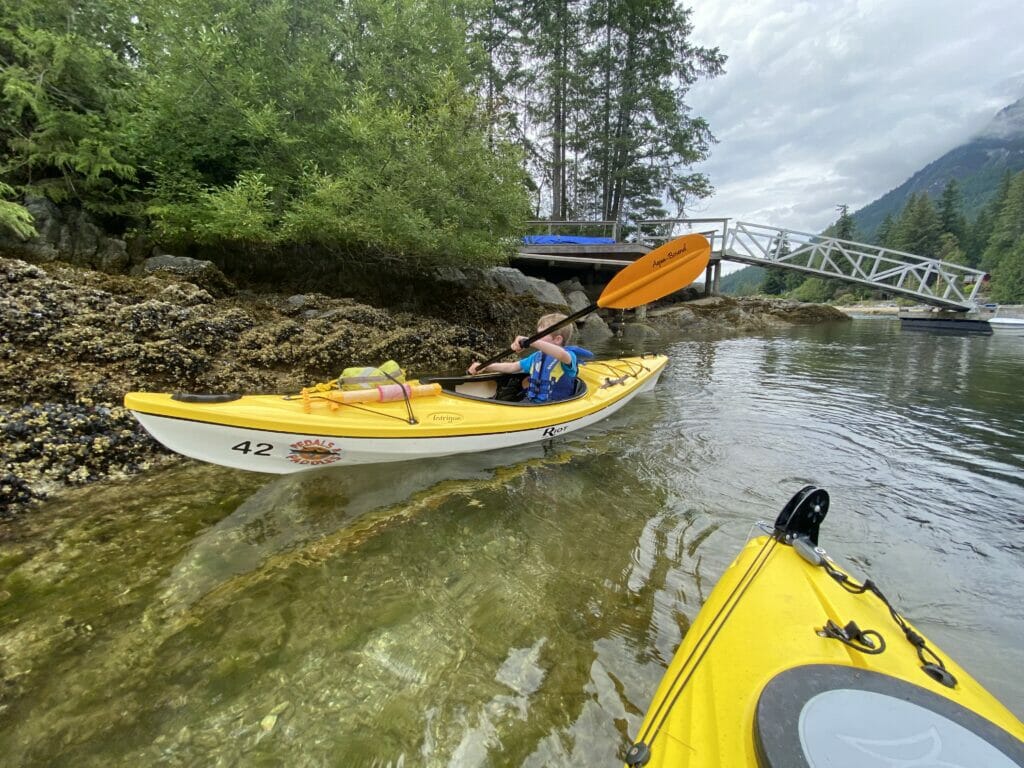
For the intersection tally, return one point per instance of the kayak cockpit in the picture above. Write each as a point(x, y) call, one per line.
point(505, 388)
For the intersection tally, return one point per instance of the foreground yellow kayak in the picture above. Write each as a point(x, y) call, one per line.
point(439, 417)
point(791, 662)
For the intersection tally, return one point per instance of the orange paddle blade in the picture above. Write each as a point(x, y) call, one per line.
point(664, 270)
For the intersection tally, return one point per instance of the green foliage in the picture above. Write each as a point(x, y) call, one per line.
point(64, 85)
point(15, 217)
point(846, 299)
point(886, 230)
point(950, 250)
point(774, 282)
point(261, 125)
point(597, 97)
point(1004, 256)
point(390, 128)
point(1008, 278)
point(845, 228)
point(951, 217)
point(814, 290)
point(443, 199)
point(743, 282)
point(1008, 225)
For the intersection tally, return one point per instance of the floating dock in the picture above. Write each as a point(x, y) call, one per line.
point(944, 321)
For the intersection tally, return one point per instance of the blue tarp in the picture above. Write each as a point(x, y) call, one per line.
point(567, 240)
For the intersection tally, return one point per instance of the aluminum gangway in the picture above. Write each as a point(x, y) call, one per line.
point(930, 281)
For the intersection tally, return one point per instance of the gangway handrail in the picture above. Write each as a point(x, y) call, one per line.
point(929, 280)
point(552, 224)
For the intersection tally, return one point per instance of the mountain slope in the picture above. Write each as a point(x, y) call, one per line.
point(742, 282)
point(978, 166)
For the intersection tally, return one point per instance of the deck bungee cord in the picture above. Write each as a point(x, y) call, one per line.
point(332, 394)
point(780, 669)
point(871, 641)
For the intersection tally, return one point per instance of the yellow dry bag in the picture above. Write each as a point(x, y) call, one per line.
point(368, 378)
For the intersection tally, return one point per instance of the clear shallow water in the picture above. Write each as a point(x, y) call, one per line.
point(514, 608)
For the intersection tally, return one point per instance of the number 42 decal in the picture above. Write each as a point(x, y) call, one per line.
point(260, 449)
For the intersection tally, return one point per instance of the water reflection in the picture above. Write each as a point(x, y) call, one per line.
point(296, 510)
point(515, 608)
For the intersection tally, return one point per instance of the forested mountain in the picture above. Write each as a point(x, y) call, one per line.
point(993, 242)
point(977, 166)
point(965, 208)
point(743, 282)
point(372, 129)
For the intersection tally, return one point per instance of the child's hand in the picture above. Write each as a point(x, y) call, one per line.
point(473, 368)
point(517, 345)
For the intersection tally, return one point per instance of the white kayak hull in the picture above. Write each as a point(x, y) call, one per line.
point(283, 452)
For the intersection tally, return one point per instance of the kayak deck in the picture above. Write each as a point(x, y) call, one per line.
point(281, 434)
point(755, 681)
point(445, 414)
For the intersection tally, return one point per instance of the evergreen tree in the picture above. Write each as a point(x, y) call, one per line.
point(981, 230)
point(774, 282)
point(950, 250)
point(779, 281)
point(495, 28)
point(1004, 256)
point(553, 45)
point(845, 227)
point(918, 229)
point(646, 140)
point(884, 234)
point(1008, 279)
point(1008, 226)
point(65, 88)
point(951, 215)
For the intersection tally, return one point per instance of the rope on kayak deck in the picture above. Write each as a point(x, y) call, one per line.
point(320, 393)
point(860, 640)
point(639, 752)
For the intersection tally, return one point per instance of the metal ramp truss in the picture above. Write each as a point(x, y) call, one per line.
point(931, 281)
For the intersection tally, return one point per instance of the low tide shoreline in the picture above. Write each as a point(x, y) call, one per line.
point(75, 340)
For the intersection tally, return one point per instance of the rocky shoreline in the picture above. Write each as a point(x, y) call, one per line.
point(75, 340)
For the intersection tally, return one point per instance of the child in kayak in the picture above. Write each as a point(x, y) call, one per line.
point(552, 368)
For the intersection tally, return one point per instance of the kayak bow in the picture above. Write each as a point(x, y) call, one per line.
point(790, 662)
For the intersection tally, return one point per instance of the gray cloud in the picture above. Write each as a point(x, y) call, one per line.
point(825, 103)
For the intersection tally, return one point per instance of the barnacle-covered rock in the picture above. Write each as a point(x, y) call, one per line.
point(716, 314)
point(75, 340)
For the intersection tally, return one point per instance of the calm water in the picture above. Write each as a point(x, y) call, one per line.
point(515, 608)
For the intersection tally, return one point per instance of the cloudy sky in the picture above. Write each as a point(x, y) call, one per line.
point(827, 102)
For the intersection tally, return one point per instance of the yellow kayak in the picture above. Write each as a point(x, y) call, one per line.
point(791, 662)
point(436, 417)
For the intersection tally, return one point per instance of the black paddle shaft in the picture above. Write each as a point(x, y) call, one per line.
point(541, 334)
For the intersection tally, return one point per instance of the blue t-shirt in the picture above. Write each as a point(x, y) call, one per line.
point(550, 379)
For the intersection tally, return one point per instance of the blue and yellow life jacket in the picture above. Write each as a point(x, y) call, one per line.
point(550, 379)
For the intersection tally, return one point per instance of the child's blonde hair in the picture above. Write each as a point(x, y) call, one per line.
point(566, 331)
